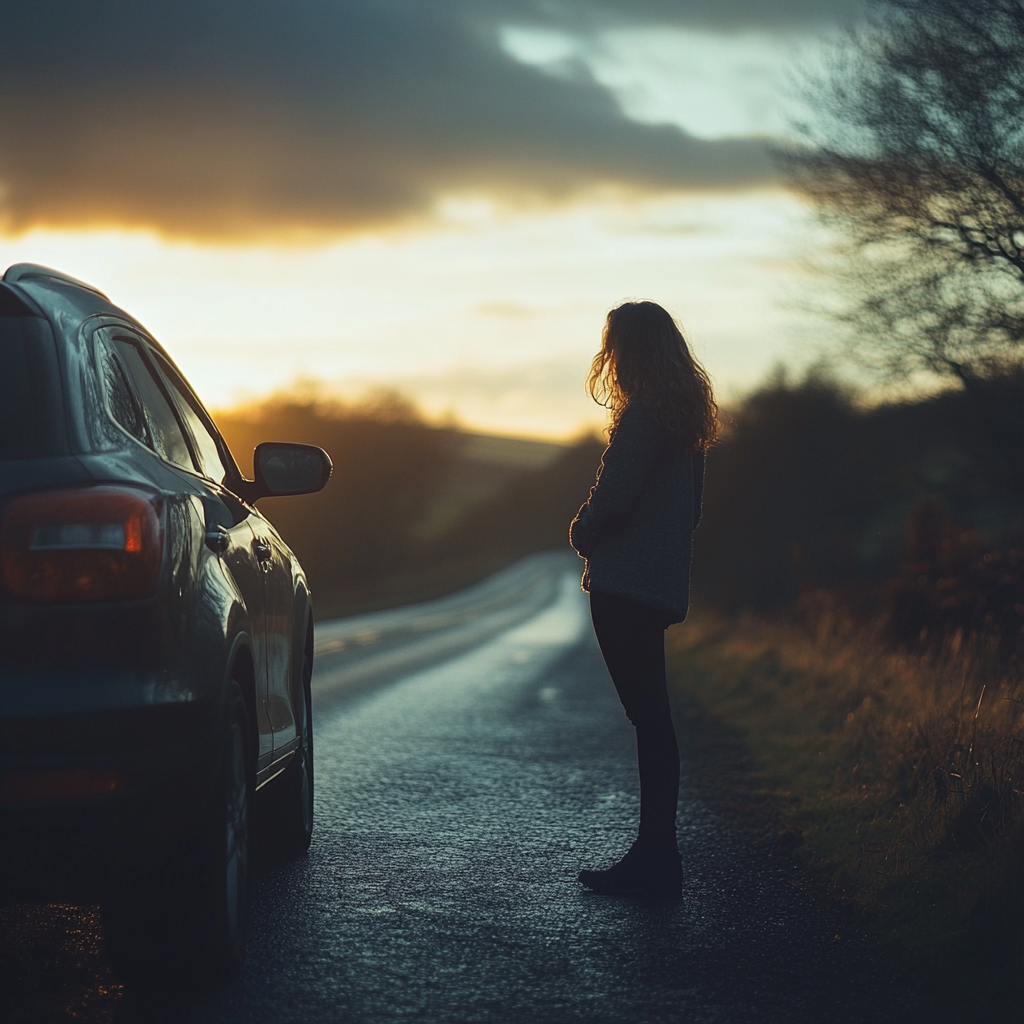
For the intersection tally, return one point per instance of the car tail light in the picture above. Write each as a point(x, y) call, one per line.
point(87, 544)
point(31, 786)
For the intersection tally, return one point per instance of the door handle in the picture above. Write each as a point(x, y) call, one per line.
point(261, 549)
point(218, 539)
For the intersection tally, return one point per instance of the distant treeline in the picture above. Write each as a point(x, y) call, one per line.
point(912, 511)
point(395, 524)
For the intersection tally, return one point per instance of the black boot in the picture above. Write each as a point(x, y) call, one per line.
point(646, 870)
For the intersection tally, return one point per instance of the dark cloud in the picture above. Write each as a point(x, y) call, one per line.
point(714, 14)
point(227, 118)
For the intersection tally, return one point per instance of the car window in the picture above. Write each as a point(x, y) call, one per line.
point(206, 444)
point(123, 402)
point(168, 439)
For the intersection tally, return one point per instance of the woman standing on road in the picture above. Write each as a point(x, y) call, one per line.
point(635, 532)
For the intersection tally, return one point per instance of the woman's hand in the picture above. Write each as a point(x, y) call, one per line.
point(579, 534)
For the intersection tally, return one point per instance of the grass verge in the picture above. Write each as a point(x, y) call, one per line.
point(898, 777)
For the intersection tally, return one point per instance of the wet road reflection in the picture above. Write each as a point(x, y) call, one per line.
point(454, 808)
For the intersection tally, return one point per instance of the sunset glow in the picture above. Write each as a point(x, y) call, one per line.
point(490, 316)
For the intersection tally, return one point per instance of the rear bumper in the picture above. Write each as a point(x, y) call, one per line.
point(89, 798)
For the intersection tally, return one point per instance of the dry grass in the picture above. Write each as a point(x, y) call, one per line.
point(900, 776)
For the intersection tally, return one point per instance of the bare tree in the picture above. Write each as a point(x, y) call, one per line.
point(914, 155)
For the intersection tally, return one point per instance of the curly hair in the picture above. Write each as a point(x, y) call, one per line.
point(645, 356)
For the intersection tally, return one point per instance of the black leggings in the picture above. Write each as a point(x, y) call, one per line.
point(632, 640)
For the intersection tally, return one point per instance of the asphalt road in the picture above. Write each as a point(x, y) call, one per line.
point(471, 757)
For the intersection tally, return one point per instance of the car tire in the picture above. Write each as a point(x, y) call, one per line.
point(185, 923)
point(286, 811)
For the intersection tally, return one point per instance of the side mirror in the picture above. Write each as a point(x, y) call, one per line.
point(281, 468)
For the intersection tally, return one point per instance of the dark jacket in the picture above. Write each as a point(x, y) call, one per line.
point(636, 529)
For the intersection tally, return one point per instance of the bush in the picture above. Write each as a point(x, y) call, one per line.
point(954, 586)
point(809, 491)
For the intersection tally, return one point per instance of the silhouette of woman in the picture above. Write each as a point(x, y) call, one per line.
point(635, 532)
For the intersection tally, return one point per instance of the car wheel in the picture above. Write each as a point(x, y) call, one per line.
point(286, 812)
point(186, 922)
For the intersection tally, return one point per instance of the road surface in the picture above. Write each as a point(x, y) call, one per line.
point(471, 757)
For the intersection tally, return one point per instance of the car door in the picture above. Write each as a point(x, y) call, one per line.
point(224, 519)
point(281, 639)
point(273, 640)
point(274, 560)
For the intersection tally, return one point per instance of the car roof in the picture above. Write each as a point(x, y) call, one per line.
point(60, 297)
point(27, 271)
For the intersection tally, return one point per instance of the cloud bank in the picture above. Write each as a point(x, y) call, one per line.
point(222, 119)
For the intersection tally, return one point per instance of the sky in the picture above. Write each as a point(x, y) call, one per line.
point(443, 197)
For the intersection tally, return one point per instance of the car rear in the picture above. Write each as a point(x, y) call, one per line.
point(104, 743)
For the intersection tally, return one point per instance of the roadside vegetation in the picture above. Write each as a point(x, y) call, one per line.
point(895, 776)
point(859, 622)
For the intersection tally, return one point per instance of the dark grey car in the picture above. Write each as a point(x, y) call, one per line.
point(156, 638)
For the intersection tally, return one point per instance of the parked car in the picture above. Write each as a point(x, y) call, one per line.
point(156, 638)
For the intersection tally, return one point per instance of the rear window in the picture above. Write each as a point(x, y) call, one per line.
point(31, 408)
